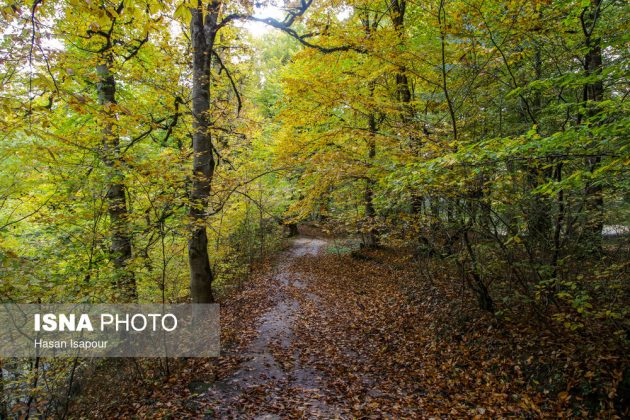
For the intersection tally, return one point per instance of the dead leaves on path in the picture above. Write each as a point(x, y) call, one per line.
point(395, 346)
point(141, 388)
point(372, 340)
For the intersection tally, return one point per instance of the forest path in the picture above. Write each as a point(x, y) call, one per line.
point(275, 375)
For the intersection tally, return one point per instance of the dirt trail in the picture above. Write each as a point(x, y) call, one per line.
point(273, 367)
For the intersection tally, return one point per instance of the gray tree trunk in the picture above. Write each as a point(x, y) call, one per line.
point(538, 211)
point(203, 31)
point(403, 91)
point(593, 94)
point(372, 238)
point(120, 250)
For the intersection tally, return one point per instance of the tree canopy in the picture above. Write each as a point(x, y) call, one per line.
point(152, 151)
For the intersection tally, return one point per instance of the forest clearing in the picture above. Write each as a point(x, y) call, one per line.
point(383, 208)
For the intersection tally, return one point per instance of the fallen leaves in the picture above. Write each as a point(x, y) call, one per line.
point(369, 339)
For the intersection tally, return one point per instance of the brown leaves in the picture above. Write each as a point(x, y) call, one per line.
point(393, 346)
point(368, 339)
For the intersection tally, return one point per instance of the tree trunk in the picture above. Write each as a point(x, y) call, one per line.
point(477, 284)
point(538, 212)
point(372, 240)
point(403, 91)
point(557, 229)
point(593, 94)
point(120, 250)
point(444, 82)
point(293, 230)
point(203, 32)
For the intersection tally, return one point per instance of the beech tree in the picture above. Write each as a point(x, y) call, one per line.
point(153, 151)
point(206, 20)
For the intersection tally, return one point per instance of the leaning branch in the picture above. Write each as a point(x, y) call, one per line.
point(229, 75)
point(285, 26)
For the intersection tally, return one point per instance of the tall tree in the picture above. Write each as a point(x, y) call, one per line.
point(121, 247)
point(206, 21)
point(593, 94)
point(203, 31)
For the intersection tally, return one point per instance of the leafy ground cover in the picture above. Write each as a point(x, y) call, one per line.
point(317, 333)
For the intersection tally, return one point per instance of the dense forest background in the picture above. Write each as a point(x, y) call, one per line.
point(157, 151)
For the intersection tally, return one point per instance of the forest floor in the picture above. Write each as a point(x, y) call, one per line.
point(320, 332)
point(277, 375)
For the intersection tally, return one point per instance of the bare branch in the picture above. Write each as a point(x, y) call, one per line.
point(234, 88)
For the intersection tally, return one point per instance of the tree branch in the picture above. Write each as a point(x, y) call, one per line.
point(229, 75)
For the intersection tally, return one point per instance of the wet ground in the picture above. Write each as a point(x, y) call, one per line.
point(273, 367)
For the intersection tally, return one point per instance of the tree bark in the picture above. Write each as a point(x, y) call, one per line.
point(293, 230)
point(372, 239)
point(593, 94)
point(121, 249)
point(538, 213)
point(403, 91)
point(203, 32)
point(445, 89)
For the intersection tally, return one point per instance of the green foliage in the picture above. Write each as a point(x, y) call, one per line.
point(507, 159)
point(489, 136)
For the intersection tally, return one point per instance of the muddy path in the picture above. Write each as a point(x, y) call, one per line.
point(274, 375)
